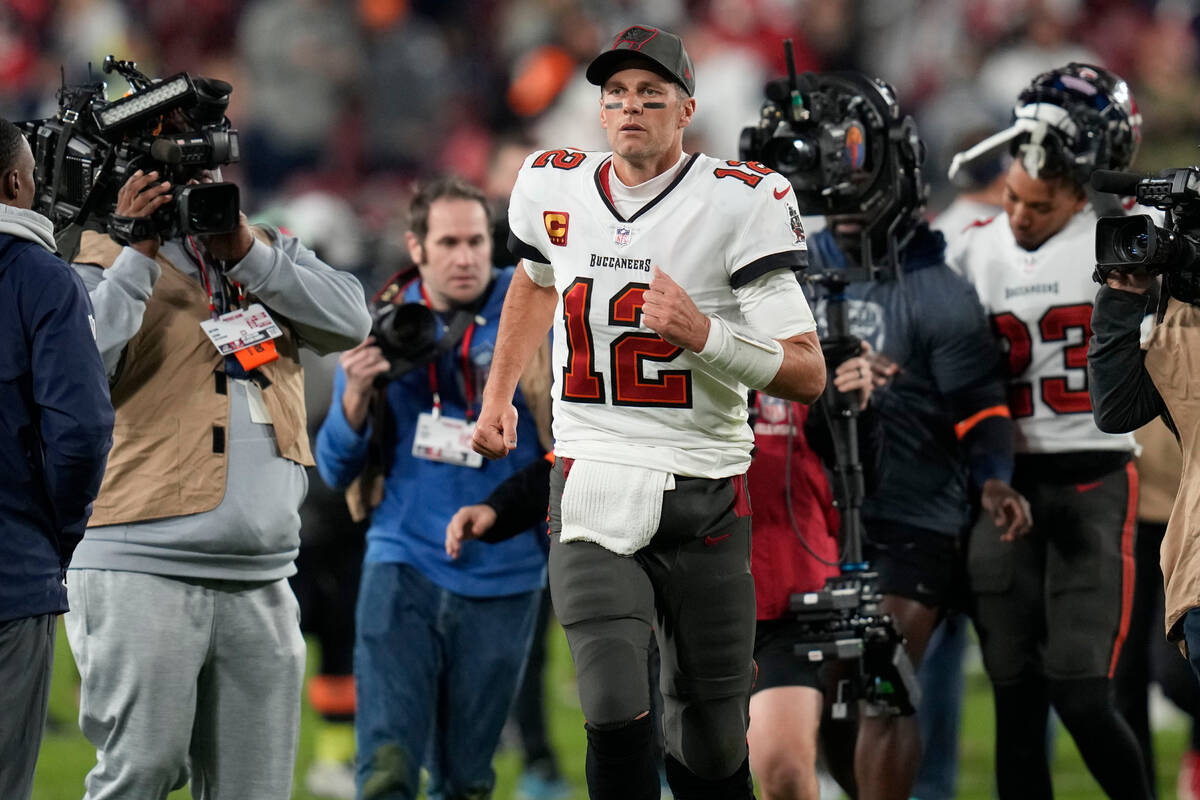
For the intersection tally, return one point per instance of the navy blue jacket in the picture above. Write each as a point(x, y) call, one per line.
point(55, 425)
point(932, 325)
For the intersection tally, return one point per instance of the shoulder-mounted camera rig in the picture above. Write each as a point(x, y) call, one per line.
point(175, 126)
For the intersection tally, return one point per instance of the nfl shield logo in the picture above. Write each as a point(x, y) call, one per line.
point(772, 409)
point(623, 234)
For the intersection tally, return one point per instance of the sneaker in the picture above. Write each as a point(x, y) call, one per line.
point(330, 779)
point(1188, 786)
point(533, 786)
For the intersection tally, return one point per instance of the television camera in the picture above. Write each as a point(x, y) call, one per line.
point(175, 126)
point(840, 140)
point(1136, 244)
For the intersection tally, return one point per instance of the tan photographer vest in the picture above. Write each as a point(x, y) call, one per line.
point(1173, 361)
point(171, 398)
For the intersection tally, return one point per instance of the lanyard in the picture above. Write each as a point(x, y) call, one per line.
point(194, 252)
point(467, 373)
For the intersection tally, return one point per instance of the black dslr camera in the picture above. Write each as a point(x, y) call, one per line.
point(407, 333)
point(1135, 243)
point(176, 126)
point(411, 335)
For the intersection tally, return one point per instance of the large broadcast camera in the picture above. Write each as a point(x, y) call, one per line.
point(176, 126)
point(1134, 243)
point(839, 140)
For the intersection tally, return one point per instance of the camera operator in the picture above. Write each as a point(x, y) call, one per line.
point(944, 425)
point(56, 420)
point(440, 643)
point(185, 630)
point(1052, 609)
point(1130, 386)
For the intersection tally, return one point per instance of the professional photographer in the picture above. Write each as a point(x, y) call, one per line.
point(851, 156)
point(1052, 609)
point(440, 643)
point(1131, 384)
point(183, 625)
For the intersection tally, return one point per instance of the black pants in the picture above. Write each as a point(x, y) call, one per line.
point(26, 659)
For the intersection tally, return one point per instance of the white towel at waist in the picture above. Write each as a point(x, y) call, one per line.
point(617, 506)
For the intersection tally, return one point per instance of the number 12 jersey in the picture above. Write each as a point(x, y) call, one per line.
point(621, 393)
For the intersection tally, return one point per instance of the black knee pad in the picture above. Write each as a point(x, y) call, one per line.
point(620, 761)
point(687, 785)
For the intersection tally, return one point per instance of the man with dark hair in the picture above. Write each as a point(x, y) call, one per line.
point(55, 430)
point(440, 643)
point(1052, 609)
point(668, 280)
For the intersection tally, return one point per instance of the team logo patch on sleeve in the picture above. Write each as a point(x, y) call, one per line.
point(556, 226)
point(794, 221)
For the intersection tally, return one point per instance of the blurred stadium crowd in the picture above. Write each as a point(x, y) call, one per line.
point(342, 104)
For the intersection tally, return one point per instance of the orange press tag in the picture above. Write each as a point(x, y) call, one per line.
point(256, 355)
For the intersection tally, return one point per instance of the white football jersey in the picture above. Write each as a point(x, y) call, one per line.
point(621, 393)
point(1040, 305)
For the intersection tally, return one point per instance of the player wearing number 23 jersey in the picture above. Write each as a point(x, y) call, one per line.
point(1040, 304)
point(727, 232)
point(1052, 609)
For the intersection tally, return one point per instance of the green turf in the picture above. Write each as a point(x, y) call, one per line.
point(66, 756)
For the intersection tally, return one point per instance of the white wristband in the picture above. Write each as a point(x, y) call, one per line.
point(737, 354)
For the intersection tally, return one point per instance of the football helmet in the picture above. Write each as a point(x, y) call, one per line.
point(1085, 112)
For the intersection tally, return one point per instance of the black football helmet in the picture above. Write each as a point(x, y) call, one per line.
point(1085, 112)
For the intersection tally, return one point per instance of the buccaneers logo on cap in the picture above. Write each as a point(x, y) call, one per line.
point(634, 38)
point(556, 226)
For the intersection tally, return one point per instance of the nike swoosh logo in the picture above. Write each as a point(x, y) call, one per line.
point(709, 541)
point(780, 195)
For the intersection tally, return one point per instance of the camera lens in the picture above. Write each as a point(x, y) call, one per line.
point(209, 208)
point(407, 332)
point(1136, 247)
point(789, 155)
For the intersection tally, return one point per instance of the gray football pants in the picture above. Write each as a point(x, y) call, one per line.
point(692, 586)
point(187, 676)
point(26, 659)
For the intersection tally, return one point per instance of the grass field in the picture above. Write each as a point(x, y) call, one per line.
point(66, 756)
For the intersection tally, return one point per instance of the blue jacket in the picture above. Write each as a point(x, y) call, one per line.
point(420, 496)
point(55, 425)
point(932, 325)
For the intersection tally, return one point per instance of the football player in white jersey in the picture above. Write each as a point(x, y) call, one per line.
point(1052, 608)
point(669, 282)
